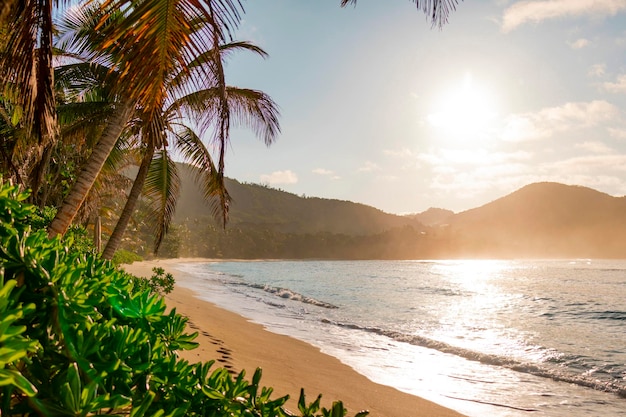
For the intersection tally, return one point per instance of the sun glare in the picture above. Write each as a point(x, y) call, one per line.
point(463, 112)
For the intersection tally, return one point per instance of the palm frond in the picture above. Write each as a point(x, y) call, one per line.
point(205, 174)
point(120, 157)
point(77, 30)
point(155, 40)
point(83, 78)
point(203, 63)
point(83, 121)
point(255, 110)
point(228, 12)
point(162, 187)
point(436, 10)
point(227, 49)
point(248, 108)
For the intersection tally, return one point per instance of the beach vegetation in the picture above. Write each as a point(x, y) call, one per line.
point(123, 256)
point(79, 336)
point(160, 282)
point(146, 43)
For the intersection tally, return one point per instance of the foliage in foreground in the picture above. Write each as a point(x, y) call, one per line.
point(80, 337)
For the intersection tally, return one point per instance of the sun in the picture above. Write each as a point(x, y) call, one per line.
point(463, 112)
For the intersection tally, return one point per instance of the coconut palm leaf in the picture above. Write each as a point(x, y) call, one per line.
point(248, 108)
point(155, 40)
point(81, 123)
point(255, 110)
point(193, 151)
point(162, 187)
point(204, 61)
point(82, 78)
point(436, 10)
point(227, 13)
point(226, 50)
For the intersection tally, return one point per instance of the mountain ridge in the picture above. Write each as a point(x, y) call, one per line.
point(255, 204)
point(547, 219)
point(539, 220)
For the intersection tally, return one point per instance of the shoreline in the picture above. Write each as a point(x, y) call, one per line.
point(288, 364)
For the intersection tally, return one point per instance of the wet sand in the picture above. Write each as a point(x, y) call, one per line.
point(287, 363)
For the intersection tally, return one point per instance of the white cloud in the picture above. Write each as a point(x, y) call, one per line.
point(593, 147)
point(546, 122)
point(579, 43)
point(590, 164)
point(280, 177)
point(536, 11)
point(581, 113)
point(443, 160)
point(619, 86)
point(510, 171)
point(597, 70)
point(326, 173)
point(402, 153)
point(521, 128)
point(617, 133)
point(369, 167)
point(322, 171)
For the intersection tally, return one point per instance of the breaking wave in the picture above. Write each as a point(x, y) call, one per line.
point(612, 385)
point(286, 293)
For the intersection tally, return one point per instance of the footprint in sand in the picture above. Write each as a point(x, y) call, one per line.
point(225, 353)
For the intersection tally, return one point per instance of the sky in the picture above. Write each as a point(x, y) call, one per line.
point(381, 108)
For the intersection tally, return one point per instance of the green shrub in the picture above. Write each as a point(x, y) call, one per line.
point(160, 282)
point(76, 237)
point(123, 256)
point(78, 338)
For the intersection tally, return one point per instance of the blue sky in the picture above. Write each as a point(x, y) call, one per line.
point(379, 107)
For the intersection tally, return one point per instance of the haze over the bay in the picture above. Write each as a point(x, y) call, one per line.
point(380, 108)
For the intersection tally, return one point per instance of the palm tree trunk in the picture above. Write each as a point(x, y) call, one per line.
point(116, 237)
point(90, 171)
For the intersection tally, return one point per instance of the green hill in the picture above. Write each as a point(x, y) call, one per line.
point(259, 206)
point(543, 220)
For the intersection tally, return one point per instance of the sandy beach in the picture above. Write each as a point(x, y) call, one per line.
point(288, 364)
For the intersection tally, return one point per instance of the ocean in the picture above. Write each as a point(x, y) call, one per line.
point(485, 338)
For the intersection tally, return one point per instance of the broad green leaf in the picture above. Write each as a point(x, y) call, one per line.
point(142, 408)
point(10, 354)
point(10, 377)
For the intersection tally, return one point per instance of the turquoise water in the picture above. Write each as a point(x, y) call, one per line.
point(496, 338)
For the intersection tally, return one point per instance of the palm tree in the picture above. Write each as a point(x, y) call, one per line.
point(206, 108)
point(203, 106)
point(80, 109)
point(26, 82)
point(26, 66)
point(251, 107)
point(84, 106)
point(153, 39)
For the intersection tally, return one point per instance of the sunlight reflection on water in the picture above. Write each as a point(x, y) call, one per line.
point(491, 331)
